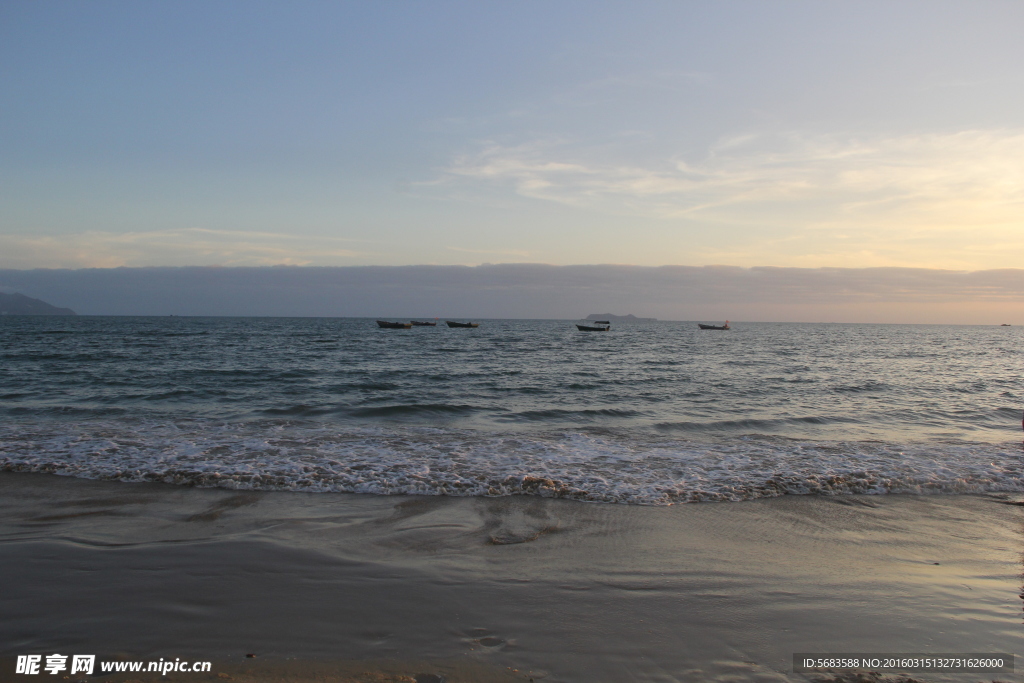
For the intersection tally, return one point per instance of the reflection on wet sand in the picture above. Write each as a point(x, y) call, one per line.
point(557, 590)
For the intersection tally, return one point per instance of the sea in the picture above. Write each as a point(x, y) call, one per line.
point(651, 413)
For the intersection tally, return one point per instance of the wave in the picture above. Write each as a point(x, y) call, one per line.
point(64, 412)
point(868, 386)
point(433, 409)
point(600, 466)
point(752, 425)
point(582, 414)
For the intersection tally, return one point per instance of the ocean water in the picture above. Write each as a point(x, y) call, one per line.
point(649, 413)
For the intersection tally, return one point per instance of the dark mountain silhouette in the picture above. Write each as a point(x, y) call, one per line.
point(19, 304)
point(630, 318)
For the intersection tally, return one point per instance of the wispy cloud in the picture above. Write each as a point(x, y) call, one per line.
point(197, 246)
point(885, 195)
point(659, 80)
point(500, 252)
point(921, 170)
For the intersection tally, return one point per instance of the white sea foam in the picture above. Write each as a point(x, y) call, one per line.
point(621, 467)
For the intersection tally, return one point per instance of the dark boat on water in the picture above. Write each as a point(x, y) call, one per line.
point(714, 327)
point(589, 328)
point(417, 323)
point(393, 326)
point(454, 324)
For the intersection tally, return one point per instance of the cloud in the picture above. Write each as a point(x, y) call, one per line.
point(927, 172)
point(950, 200)
point(540, 291)
point(189, 245)
point(500, 252)
point(612, 86)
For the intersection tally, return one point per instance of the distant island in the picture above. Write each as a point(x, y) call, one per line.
point(19, 304)
point(611, 317)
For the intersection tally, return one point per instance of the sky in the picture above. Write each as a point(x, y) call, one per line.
point(781, 133)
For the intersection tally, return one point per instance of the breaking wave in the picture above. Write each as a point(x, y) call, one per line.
point(602, 466)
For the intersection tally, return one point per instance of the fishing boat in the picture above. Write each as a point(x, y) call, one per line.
point(417, 323)
point(714, 327)
point(455, 324)
point(393, 326)
point(589, 328)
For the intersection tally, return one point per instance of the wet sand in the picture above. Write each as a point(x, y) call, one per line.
point(352, 587)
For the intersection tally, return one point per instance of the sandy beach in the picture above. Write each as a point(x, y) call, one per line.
point(360, 587)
